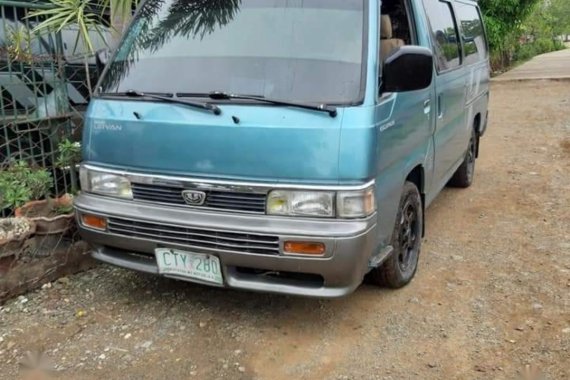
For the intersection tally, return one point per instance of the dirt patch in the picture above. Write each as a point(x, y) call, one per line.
point(32, 271)
point(566, 146)
point(492, 295)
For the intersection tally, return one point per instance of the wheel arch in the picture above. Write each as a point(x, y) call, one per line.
point(477, 125)
point(417, 177)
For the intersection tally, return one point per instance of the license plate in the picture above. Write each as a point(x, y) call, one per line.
point(172, 262)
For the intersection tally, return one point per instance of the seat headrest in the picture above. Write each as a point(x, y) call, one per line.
point(386, 27)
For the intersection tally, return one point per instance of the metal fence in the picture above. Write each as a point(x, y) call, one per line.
point(43, 91)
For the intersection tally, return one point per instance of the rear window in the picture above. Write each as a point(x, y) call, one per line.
point(473, 33)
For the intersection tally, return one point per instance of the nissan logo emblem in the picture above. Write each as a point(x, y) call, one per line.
point(194, 198)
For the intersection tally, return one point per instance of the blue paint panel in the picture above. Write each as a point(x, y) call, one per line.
point(357, 154)
point(269, 143)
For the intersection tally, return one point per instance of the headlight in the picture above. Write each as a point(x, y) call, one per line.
point(326, 204)
point(102, 183)
point(301, 203)
point(356, 204)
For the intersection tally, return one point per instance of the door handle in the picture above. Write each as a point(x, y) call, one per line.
point(439, 107)
point(427, 107)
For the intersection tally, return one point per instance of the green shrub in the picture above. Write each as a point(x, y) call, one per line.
point(544, 45)
point(559, 45)
point(525, 52)
point(68, 158)
point(20, 183)
point(69, 153)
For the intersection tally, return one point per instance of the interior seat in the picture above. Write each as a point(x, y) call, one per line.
point(387, 43)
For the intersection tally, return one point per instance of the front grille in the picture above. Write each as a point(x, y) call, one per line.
point(196, 237)
point(224, 200)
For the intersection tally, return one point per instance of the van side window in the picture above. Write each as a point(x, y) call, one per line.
point(395, 30)
point(445, 36)
point(474, 41)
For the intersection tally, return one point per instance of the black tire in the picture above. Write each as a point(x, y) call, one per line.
point(463, 177)
point(400, 268)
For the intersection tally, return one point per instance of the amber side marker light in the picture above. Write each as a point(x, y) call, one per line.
point(304, 248)
point(95, 222)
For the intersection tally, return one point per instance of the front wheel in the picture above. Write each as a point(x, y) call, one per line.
point(400, 268)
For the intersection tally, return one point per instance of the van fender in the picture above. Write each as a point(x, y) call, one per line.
point(389, 190)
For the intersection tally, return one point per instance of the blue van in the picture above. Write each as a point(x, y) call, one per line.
point(282, 146)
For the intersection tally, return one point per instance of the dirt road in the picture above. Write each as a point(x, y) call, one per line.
point(492, 294)
point(554, 65)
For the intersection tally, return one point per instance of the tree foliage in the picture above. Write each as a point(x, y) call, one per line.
point(521, 29)
point(84, 15)
point(504, 18)
point(550, 19)
point(560, 16)
point(189, 18)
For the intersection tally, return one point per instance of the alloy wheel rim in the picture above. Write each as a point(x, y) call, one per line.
point(408, 237)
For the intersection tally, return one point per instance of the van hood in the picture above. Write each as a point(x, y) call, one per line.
point(266, 143)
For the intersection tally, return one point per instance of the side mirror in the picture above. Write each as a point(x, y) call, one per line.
point(101, 58)
point(409, 68)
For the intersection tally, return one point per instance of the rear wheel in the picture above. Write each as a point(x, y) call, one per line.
point(463, 177)
point(400, 268)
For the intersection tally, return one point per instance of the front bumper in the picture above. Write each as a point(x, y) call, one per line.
point(350, 245)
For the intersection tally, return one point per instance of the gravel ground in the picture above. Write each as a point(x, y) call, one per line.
point(492, 295)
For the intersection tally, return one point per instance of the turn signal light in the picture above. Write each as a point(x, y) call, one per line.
point(95, 222)
point(304, 248)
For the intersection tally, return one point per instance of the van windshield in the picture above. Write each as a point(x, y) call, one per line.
point(293, 50)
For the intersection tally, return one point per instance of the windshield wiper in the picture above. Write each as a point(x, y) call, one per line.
point(218, 95)
point(169, 99)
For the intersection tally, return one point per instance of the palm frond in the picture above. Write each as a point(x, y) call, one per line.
point(70, 12)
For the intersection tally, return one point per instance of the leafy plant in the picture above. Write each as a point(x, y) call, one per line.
point(69, 155)
point(84, 14)
point(20, 183)
point(525, 52)
point(13, 195)
point(63, 209)
point(121, 13)
point(540, 46)
point(70, 12)
point(19, 44)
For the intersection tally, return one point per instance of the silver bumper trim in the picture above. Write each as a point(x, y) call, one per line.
point(350, 246)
